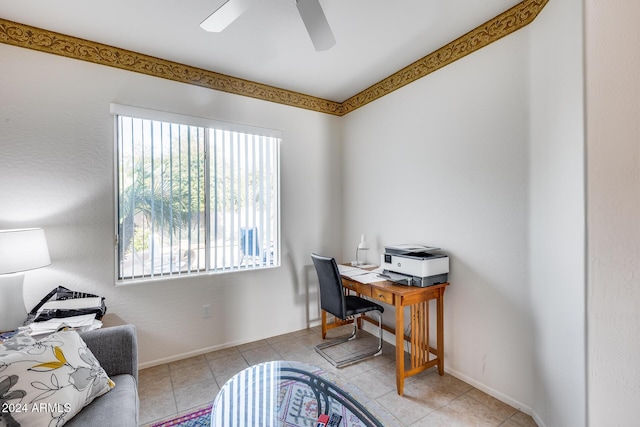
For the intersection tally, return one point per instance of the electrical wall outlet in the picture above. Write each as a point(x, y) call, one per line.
point(206, 310)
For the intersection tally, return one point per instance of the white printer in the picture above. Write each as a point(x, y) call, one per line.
point(414, 265)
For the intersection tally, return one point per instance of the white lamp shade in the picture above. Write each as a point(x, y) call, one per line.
point(363, 245)
point(22, 250)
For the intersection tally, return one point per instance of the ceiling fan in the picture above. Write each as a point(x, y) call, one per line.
point(310, 11)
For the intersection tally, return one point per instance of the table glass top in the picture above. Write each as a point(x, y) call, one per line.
point(285, 394)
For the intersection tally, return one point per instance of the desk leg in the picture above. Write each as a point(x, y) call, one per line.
point(324, 324)
point(399, 347)
point(440, 314)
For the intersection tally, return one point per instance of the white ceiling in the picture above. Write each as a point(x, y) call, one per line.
point(269, 43)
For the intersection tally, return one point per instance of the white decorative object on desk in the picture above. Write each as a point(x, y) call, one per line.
point(20, 250)
point(362, 246)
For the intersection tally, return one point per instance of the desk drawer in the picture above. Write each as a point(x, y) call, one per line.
point(360, 288)
point(382, 295)
point(349, 284)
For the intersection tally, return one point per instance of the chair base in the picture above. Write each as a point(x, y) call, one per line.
point(352, 357)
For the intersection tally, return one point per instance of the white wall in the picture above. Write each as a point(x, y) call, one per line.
point(485, 159)
point(556, 214)
point(56, 147)
point(443, 162)
point(613, 152)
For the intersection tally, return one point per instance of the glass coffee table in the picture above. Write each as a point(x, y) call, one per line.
point(285, 394)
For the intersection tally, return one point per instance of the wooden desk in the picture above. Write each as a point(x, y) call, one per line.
point(417, 299)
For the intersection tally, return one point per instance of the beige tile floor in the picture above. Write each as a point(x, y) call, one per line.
point(429, 400)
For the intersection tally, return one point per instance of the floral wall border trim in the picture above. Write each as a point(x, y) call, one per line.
point(494, 29)
point(25, 36)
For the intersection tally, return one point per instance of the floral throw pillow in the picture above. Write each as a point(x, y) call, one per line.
point(46, 381)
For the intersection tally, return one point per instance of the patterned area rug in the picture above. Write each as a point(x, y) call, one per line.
point(297, 402)
point(199, 418)
point(296, 406)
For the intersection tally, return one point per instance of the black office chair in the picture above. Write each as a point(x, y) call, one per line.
point(333, 300)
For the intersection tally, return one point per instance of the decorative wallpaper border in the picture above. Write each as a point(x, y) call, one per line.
point(494, 29)
point(25, 36)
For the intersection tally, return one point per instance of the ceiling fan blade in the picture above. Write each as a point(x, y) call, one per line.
point(225, 15)
point(316, 23)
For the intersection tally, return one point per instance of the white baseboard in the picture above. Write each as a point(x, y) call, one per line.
point(387, 337)
point(390, 338)
point(496, 394)
point(206, 350)
point(189, 354)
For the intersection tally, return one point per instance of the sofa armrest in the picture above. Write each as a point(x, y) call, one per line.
point(116, 348)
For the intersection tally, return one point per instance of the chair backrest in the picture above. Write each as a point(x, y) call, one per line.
point(331, 293)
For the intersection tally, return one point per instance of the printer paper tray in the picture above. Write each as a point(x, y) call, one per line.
point(421, 282)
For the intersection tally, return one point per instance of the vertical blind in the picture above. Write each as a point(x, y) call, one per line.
point(194, 198)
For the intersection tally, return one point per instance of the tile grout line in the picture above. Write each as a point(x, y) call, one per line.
point(268, 350)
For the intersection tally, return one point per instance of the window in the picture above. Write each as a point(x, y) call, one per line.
point(194, 195)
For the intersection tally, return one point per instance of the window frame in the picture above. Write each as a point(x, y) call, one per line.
point(209, 126)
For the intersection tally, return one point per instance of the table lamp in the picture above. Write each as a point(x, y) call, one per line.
point(20, 251)
point(362, 246)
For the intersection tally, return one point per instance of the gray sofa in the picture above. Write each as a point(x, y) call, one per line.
point(116, 349)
